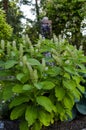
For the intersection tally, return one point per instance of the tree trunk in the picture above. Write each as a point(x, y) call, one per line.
point(5, 5)
point(37, 10)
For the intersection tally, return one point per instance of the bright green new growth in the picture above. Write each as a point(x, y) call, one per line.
point(5, 28)
point(41, 89)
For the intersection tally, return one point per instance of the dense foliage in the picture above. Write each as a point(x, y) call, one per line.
point(13, 15)
point(5, 29)
point(67, 17)
point(41, 89)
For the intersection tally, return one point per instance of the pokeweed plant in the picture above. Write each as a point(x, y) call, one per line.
point(41, 82)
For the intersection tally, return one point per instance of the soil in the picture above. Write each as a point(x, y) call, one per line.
point(77, 124)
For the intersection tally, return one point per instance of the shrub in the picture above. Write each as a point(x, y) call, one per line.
point(41, 89)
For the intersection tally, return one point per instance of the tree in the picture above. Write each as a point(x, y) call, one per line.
point(66, 17)
point(13, 15)
point(5, 28)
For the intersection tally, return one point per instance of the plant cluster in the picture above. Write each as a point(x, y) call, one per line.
point(41, 82)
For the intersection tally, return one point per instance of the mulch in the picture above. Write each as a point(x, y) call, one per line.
point(77, 124)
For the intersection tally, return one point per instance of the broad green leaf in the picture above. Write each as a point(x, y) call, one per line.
point(38, 85)
point(76, 93)
point(67, 75)
point(82, 71)
point(27, 87)
point(20, 76)
point(71, 70)
point(46, 103)
point(36, 126)
point(70, 95)
point(69, 113)
point(81, 106)
point(44, 117)
point(54, 71)
point(81, 88)
point(68, 102)
point(33, 61)
point(31, 115)
point(10, 63)
point(77, 79)
point(59, 93)
point(18, 112)
point(60, 108)
point(7, 92)
point(69, 84)
point(23, 125)
point(82, 66)
point(46, 85)
point(18, 100)
point(61, 111)
point(83, 59)
point(18, 88)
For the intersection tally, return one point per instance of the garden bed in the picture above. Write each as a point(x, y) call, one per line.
point(77, 124)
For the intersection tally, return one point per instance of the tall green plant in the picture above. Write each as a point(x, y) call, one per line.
point(41, 89)
point(5, 29)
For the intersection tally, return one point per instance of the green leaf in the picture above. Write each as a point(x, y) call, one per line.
point(59, 93)
point(77, 79)
point(77, 94)
point(54, 71)
point(71, 70)
point(82, 71)
point(7, 92)
point(33, 61)
point(23, 125)
point(18, 112)
point(18, 88)
point(27, 87)
point(4, 73)
point(46, 85)
point(81, 106)
point(18, 100)
point(46, 103)
point(68, 102)
point(44, 117)
point(61, 111)
point(20, 76)
point(2, 63)
point(36, 126)
point(69, 84)
point(60, 107)
point(38, 85)
point(31, 115)
point(81, 88)
point(10, 63)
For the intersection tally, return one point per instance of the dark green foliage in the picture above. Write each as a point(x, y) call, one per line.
point(67, 17)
